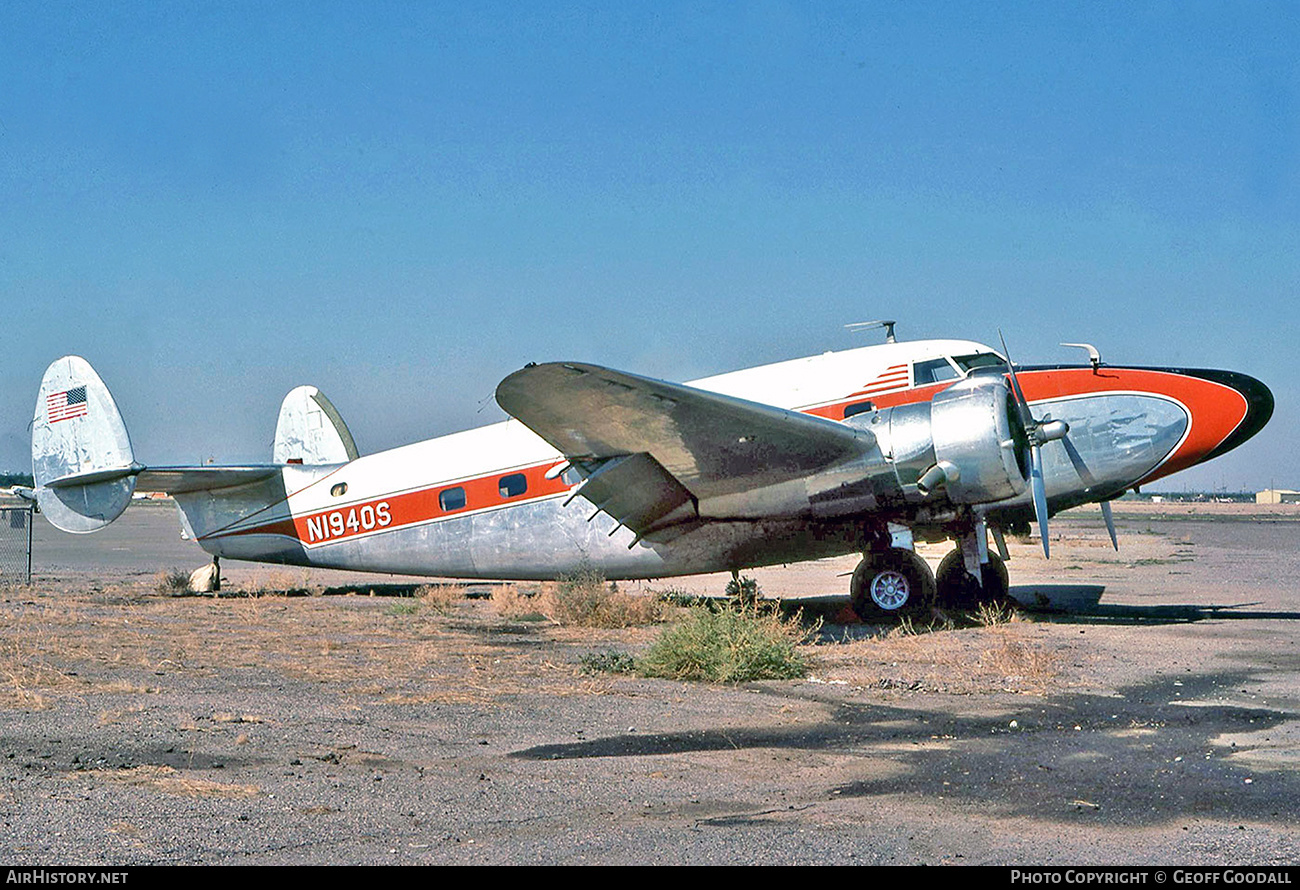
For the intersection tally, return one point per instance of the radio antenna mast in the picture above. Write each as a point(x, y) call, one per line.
point(858, 327)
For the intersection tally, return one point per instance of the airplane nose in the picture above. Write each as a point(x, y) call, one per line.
point(1224, 409)
point(1259, 407)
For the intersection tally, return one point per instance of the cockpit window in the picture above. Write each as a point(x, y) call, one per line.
point(934, 371)
point(969, 363)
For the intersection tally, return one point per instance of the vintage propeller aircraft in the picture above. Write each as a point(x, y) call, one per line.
point(861, 451)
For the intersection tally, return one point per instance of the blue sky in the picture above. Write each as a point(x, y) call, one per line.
point(403, 202)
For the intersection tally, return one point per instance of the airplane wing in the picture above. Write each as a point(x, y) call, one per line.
point(650, 447)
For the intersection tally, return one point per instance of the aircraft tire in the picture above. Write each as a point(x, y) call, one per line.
point(890, 584)
point(958, 589)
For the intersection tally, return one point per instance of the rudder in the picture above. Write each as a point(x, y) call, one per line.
point(311, 431)
point(81, 454)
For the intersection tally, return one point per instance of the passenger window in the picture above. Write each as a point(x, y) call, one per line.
point(513, 485)
point(934, 371)
point(859, 408)
point(452, 498)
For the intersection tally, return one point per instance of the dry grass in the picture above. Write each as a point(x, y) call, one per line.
point(127, 641)
point(168, 781)
point(1019, 664)
point(172, 582)
point(30, 676)
point(440, 598)
point(515, 603)
point(583, 599)
point(1001, 656)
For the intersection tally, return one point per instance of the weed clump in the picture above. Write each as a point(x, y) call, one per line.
point(611, 661)
point(730, 645)
point(514, 604)
point(582, 598)
point(404, 608)
point(172, 582)
point(743, 589)
point(439, 598)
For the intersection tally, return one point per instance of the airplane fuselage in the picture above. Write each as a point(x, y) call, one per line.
point(492, 502)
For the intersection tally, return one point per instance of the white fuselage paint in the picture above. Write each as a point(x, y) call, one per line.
point(535, 537)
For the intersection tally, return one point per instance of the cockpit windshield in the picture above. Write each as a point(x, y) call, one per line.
point(969, 363)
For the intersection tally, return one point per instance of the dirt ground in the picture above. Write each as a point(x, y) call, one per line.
point(1144, 711)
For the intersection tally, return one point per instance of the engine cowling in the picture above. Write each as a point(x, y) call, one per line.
point(965, 444)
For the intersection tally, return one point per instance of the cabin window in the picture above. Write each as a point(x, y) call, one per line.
point(934, 371)
point(859, 408)
point(512, 486)
point(452, 498)
point(339, 489)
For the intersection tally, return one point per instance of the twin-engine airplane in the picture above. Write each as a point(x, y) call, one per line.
point(861, 451)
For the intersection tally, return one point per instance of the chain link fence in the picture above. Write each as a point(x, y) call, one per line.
point(16, 545)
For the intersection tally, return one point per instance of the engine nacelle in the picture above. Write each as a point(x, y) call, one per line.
point(966, 443)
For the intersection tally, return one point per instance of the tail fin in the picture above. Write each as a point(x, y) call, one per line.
point(81, 454)
point(311, 431)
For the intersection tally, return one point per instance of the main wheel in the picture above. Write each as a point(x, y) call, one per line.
point(958, 589)
point(891, 583)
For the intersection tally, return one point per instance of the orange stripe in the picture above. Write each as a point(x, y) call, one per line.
point(1216, 410)
point(405, 508)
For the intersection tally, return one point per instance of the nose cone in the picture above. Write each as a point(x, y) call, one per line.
point(1259, 407)
point(1225, 408)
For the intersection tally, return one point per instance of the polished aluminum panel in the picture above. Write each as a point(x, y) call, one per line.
point(1114, 439)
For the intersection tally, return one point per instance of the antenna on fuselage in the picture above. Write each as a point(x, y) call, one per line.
point(858, 327)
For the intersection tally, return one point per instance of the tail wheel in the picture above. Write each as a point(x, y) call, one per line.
point(958, 589)
point(891, 583)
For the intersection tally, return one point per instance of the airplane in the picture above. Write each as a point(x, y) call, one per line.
point(866, 450)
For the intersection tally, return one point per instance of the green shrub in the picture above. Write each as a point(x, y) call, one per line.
point(403, 608)
point(729, 645)
point(744, 589)
point(611, 661)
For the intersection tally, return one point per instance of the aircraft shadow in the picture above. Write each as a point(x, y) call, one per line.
point(1158, 751)
point(1081, 603)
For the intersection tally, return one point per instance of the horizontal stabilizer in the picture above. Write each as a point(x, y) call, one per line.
point(82, 461)
point(181, 480)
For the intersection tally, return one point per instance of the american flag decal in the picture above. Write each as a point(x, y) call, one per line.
point(66, 405)
point(892, 378)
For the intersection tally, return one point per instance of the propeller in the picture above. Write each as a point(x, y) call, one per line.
point(1039, 433)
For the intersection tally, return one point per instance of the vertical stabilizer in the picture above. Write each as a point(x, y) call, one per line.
point(311, 431)
point(81, 454)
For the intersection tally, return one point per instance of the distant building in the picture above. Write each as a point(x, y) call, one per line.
point(1277, 496)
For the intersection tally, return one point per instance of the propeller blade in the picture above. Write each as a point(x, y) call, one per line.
point(1110, 524)
point(1022, 405)
point(1040, 495)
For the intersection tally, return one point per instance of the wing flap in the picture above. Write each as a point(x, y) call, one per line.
point(710, 444)
point(638, 492)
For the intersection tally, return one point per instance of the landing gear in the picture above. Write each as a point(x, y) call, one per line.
point(891, 582)
point(958, 588)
